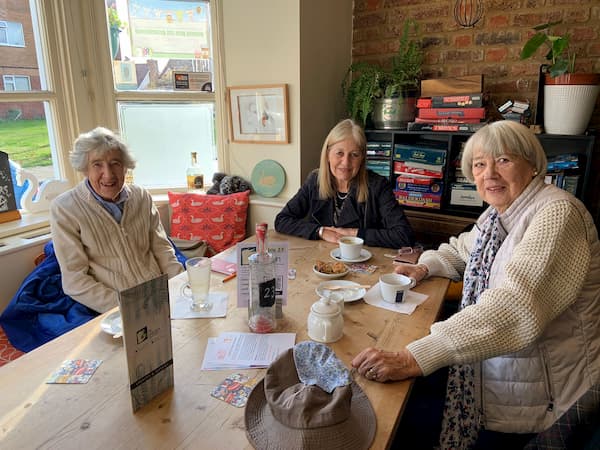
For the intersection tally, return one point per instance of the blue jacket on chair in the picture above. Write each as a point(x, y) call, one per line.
point(40, 310)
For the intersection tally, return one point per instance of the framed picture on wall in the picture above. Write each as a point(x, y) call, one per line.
point(259, 114)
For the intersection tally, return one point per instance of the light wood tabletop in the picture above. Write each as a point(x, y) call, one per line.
point(98, 414)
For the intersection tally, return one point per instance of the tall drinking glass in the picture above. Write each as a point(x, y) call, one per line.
point(198, 270)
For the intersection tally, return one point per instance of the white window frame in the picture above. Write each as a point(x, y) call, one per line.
point(80, 87)
point(12, 81)
point(217, 97)
point(79, 90)
point(5, 37)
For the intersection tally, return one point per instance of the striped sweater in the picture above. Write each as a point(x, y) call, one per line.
point(98, 256)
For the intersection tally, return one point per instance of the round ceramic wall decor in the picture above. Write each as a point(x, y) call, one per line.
point(268, 178)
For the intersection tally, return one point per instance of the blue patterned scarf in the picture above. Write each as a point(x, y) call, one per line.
point(461, 422)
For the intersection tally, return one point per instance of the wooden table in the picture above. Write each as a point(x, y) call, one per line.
point(98, 414)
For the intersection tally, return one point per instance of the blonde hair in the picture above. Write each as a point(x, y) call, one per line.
point(100, 140)
point(504, 137)
point(346, 129)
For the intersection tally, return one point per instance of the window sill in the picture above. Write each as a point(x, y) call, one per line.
point(28, 222)
point(30, 230)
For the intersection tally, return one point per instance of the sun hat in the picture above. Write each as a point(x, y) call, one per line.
point(308, 400)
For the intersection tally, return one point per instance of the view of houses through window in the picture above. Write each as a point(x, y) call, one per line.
point(160, 46)
point(23, 127)
point(162, 65)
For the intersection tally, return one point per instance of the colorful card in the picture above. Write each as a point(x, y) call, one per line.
point(235, 389)
point(74, 371)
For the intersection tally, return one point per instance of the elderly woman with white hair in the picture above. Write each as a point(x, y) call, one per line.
point(523, 351)
point(107, 235)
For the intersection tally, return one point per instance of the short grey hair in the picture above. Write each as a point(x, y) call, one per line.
point(100, 140)
point(504, 137)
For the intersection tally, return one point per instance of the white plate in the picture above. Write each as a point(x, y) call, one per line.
point(330, 276)
point(350, 292)
point(365, 255)
point(112, 324)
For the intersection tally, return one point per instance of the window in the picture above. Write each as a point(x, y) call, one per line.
point(125, 80)
point(25, 110)
point(163, 73)
point(11, 33)
point(16, 83)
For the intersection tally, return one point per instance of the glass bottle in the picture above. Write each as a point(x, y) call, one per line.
point(195, 178)
point(261, 305)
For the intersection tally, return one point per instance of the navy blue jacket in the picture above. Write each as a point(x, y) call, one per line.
point(380, 221)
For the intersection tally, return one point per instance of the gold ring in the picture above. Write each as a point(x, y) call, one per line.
point(371, 373)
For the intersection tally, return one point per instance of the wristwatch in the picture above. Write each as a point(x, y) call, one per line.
point(320, 232)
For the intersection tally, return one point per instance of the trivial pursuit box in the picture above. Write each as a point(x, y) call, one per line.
point(464, 195)
point(419, 199)
point(432, 186)
point(415, 153)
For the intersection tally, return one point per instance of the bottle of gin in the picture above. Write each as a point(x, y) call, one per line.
point(195, 178)
point(261, 305)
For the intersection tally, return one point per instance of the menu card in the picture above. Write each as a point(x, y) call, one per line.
point(279, 250)
point(147, 335)
point(232, 350)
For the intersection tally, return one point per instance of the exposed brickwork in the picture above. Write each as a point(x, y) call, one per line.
point(491, 48)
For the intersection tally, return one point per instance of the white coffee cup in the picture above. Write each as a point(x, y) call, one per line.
point(350, 247)
point(393, 286)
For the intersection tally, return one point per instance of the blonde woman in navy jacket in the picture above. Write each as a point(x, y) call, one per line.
point(343, 198)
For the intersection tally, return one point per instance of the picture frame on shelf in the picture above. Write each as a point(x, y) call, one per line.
point(258, 114)
point(8, 203)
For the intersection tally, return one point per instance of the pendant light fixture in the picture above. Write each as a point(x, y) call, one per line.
point(468, 12)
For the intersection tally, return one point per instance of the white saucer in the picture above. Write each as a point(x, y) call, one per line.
point(364, 256)
point(350, 292)
point(112, 324)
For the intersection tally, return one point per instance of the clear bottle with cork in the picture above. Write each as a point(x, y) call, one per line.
point(261, 305)
point(195, 178)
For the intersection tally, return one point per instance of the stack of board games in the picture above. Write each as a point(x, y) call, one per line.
point(450, 105)
point(419, 172)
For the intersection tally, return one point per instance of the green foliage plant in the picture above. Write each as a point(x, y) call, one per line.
point(559, 56)
point(113, 18)
point(364, 82)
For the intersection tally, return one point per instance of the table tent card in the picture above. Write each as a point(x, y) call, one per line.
point(147, 335)
point(279, 250)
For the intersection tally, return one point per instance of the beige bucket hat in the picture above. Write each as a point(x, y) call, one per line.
point(308, 400)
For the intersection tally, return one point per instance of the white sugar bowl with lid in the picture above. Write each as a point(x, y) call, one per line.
point(325, 321)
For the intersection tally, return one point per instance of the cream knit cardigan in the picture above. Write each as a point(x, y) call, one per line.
point(542, 306)
point(98, 256)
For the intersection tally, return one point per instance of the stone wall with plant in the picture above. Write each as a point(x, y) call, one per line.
point(491, 48)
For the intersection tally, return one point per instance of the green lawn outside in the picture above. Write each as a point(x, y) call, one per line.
point(26, 142)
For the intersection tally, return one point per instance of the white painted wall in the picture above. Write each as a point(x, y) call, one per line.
point(305, 44)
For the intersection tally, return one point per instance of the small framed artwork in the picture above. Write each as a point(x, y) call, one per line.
point(259, 114)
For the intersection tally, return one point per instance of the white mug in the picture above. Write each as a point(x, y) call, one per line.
point(350, 247)
point(393, 286)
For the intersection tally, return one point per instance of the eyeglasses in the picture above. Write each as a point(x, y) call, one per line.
point(418, 248)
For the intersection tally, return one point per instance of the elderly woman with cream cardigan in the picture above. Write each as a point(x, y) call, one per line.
point(523, 351)
point(107, 235)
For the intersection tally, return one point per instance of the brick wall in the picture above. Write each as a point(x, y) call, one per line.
point(492, 48)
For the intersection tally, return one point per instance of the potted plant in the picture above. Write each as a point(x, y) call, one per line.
point(569, 97)
point(115, 26)
point(387, 95)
